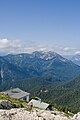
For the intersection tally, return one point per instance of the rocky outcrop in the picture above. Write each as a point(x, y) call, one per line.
point(5, 104)
point(35, 114)
point(76, 116)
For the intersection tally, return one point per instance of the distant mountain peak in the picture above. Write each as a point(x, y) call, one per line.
point(76, 59)
point(45, 55)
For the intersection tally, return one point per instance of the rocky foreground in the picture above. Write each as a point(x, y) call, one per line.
point(9, 112)
point(34, 114)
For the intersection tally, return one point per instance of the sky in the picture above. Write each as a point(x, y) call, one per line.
point(44, 25)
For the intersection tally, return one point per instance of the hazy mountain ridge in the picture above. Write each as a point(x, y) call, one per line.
point(76, 59)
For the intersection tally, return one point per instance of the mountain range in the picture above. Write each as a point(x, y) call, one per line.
point(76, 59)
point(45, 65)
point(45, 74)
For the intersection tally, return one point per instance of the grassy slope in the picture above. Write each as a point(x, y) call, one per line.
point(17, 102)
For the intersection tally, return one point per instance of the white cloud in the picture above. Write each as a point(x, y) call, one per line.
point(13, 46)
point(18, 46)
point(77, 52)
point(67, 49)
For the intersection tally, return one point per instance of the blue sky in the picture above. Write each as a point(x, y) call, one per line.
point(27, 25)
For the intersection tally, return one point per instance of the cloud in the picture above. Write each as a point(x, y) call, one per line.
point(13, 46)
point(77, 52)
point(66, 50)
point(73, 51)
point(17, 46)
point(69, 50)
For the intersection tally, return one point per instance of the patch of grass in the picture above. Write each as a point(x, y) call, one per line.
point(18, 103)
point(69, 114)
point(29, 109)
